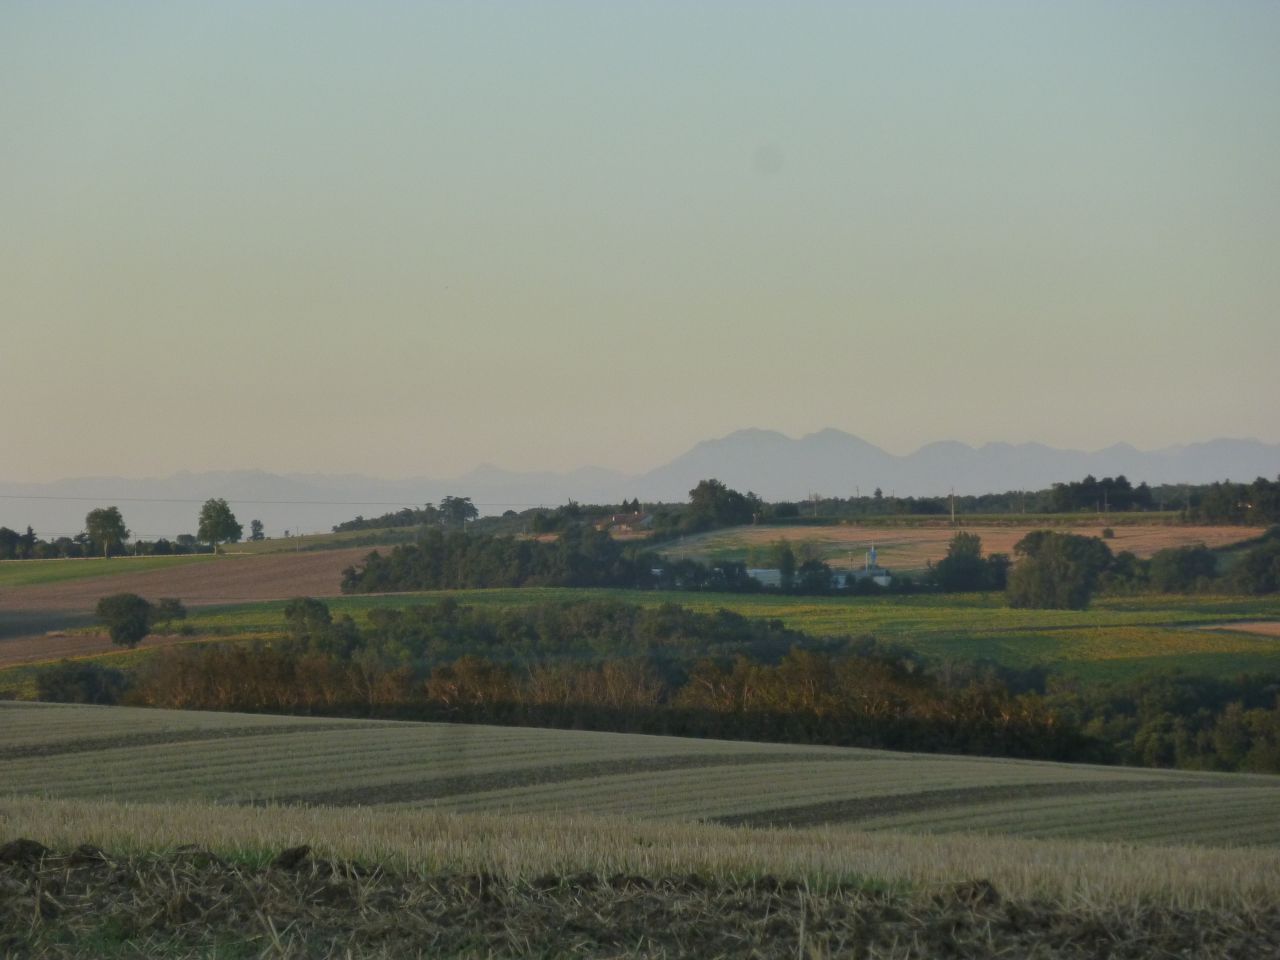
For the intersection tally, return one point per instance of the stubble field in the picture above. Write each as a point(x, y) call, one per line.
point(135, 755)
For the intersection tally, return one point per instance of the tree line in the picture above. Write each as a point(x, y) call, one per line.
point(592, 664)
point(606, 665)
point(1252, 503)
point(106, 535)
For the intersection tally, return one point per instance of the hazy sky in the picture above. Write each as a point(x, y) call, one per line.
point(396, 238)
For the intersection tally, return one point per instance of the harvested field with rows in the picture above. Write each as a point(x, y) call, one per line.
point(130, 754)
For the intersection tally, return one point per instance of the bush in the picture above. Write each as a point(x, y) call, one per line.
point(126, 616)
point(166, 610)
point(1259, 570)
point(1108, 533)
point(1180, 569)
point(72, 682)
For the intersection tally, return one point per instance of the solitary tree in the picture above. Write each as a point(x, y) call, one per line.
point(106, 528)
point(126, 616)
point(255, 530)
point(1057, 571)
point(458, 510)
point(963, 568)
point(218, 524)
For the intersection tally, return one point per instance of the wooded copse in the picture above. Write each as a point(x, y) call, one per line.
point(105, 535)
point(606, 665)
point(1054, 570)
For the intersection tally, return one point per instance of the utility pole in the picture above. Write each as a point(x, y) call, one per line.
point(953, 506)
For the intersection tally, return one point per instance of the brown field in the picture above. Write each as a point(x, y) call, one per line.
point(228, 579)
point(911, 548)
point(41, 648)
point(1266, 628)
point(28, 613)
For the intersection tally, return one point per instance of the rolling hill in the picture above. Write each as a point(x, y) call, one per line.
point(134, 755)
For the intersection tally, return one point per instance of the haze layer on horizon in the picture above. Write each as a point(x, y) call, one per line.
point(403, 239)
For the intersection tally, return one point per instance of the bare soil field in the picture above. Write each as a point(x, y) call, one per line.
point(911, 548)
point(87, 902)
point(29, 612)
point(228, 579)
point(42, 648)
point(1265, 628)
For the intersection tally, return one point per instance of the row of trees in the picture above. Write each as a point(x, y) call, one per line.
point(1049, 569)
point(453, 512)
point(580, 557)
point(1100, 496)
point(105, 534)
point(1256, 503)
point(1064, 571)
point(594, 664)
point(606, 665)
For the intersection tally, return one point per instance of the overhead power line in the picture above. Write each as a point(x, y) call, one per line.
point(292, 503)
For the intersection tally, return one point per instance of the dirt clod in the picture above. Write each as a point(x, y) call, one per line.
point(185, 903)
point(23, 851)
point(292, 858)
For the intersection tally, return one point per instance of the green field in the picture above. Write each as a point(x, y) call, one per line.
point(1116, 637)
point(134, 755)
point(21, 573)
point(380, 537)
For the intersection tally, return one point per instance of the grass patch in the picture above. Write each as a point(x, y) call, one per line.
point(22, 573)
point(1116, 637)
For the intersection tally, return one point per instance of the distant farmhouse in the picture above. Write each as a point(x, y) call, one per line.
point(771, 577)
point(880, 576)
point(766, 576)
point(626, 523)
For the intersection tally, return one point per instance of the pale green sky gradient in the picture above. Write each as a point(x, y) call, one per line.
point(401, 239)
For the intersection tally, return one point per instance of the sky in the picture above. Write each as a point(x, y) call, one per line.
point(405, 239)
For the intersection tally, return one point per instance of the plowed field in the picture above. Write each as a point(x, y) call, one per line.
point(28, 611)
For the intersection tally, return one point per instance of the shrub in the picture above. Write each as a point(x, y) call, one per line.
point(126, 616)
point(166, 610)
point(80, 682)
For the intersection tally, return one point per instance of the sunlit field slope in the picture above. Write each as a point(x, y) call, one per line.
point(121, 754)
point(909, 545)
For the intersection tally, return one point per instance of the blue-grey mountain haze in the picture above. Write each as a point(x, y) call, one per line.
point(401, 239)
point(769, 463)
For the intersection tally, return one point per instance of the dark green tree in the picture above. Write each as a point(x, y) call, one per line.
point(456, 511)
point(1179, 569)
point(1057, 571)
point(166, 610)
point(712, 505)
point(1258, 571)
point(73, 681)
point(105, 527)
point(785, 559)
point(218, 524)
point(255, 531)
point(963, 567)
point(126, 616)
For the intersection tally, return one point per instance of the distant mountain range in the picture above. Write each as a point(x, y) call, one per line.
point(775, 466)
